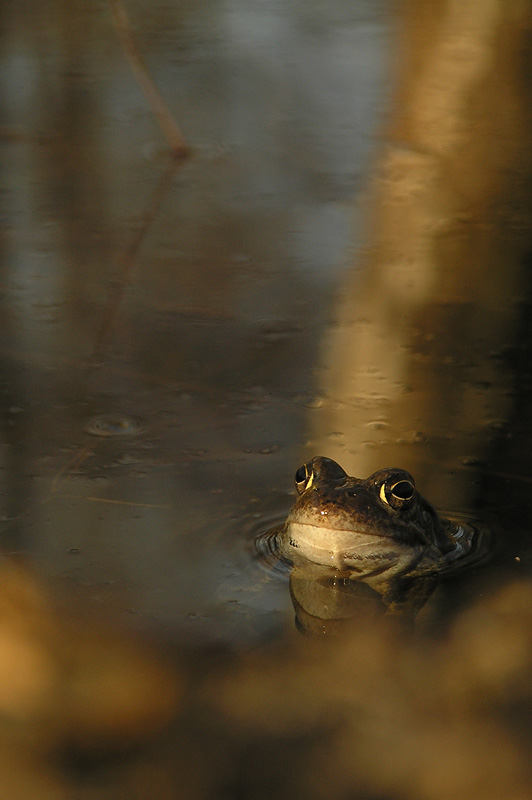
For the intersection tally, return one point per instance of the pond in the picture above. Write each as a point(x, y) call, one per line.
point(208, 349)
point(338, 267)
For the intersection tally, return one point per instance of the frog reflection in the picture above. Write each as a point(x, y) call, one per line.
point(380, 532)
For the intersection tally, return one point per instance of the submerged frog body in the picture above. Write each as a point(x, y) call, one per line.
point(379, 530)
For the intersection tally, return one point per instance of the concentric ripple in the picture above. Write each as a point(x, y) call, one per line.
point(113, 425)
point(265, 549)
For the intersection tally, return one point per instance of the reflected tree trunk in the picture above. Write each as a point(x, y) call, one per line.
point(411, 373)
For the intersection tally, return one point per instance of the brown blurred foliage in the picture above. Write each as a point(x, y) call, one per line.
point(379, 712)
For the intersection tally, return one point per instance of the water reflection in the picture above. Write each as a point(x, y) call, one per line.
point(411, 373)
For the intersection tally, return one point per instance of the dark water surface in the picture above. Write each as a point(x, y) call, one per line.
point(203, 358)
point(158, 393)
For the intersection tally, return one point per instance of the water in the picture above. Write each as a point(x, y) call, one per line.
point(161, 323)
point(340, 268)
point(178, 339)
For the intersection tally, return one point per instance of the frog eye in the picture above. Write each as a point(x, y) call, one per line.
point(396, 493)
point(403, 490)
point(320, 469)
point(304, 477)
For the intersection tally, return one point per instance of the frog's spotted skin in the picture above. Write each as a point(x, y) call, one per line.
point(378, 528)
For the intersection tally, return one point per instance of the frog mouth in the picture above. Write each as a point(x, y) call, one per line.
point(312, 528)
point(339, 547)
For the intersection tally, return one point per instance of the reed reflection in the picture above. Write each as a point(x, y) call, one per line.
point(411, 371)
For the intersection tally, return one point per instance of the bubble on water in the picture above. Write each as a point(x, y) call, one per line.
point(412, 437)
point(263, 450)
point(125, 459)
point(194, 452)
point(314, 402)
point(277, 330)
point(113, 425)
point(377, 425)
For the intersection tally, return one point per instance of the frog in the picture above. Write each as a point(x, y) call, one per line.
point(379, 530)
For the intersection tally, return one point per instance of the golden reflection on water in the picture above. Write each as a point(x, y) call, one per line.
point(411, 372)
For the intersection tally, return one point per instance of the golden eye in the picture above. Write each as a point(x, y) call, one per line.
point(301, 475)
point(395, 494)
point(403, 490)
point(304, 478)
